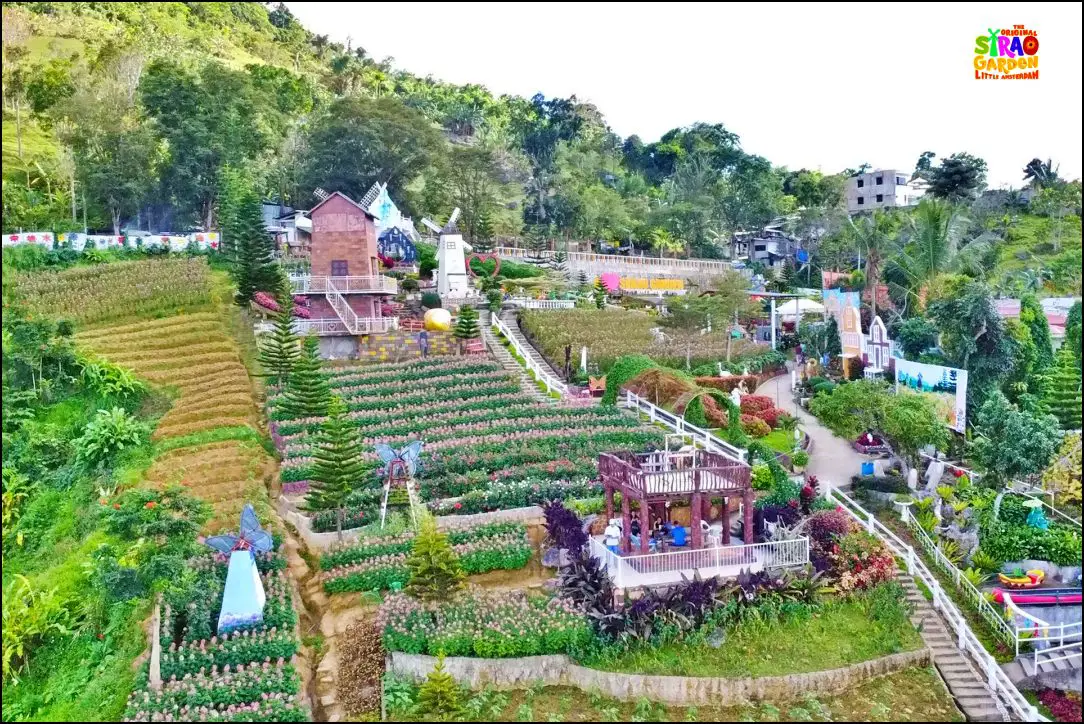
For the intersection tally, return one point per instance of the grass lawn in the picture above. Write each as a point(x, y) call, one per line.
point(912, 695)
point(840, 634)
point(779, 440)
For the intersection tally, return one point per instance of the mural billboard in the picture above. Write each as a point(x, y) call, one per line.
point(946, 385)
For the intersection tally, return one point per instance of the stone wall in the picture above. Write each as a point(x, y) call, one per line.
point(673, 690)
point(392, 346)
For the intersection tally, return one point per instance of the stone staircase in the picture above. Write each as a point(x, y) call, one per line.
point(508, 316)
point(966, 685)
point(1063, 673)
point(508, 362)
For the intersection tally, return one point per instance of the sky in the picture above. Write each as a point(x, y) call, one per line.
point(817, 86)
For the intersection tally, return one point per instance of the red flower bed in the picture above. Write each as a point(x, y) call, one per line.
point(753, 425)
point(1065, 706)
point(266, 301)
point(771, 416)
point(754, 404)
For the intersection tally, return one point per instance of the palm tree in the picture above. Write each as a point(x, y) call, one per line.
point(664, 241)
point(876, 237)
point(1040, 174)
point(933, 239)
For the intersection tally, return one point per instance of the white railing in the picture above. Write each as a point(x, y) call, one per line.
point(541, 374)
point(973, 476)
point(630, 571)
point(635, 264)
point(341, 306)
point(1050, 641)
point(320, 327)
point(995, 618)
point(1030, 491)
point(527, 303)
point(375, 284)
point(681, 426)
point(996, 680)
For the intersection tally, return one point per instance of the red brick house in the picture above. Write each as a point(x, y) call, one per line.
point(344, 286)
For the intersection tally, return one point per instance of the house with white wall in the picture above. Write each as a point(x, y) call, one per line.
point(883, 189)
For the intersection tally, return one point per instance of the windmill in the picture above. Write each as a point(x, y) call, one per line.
point(243, 598)
point(320, 193)
point(399, 467)
point(431, 225)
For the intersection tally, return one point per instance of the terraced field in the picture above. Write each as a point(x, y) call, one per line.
point(192, 357)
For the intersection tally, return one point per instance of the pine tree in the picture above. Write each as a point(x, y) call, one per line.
point(1032, 315)
point(337, 469)
point(434, 569)
point(1063, 396)
point(307, 391)
point(279, 350)
point(536, 244)
point(466, 327)
point(833, 345)
point(439, 695)
point(481, 242)
point(600, 293)
point(255, 270)
point(581, 280)
point(560, 263)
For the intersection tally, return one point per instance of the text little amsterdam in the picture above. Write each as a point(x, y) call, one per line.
point(1007, 54)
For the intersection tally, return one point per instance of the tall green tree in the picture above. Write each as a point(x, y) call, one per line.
point(359, 141)
point(337, 463)
point(254, 269)
point(914, 336)
point(933, 235)
point(435, 573)
point(1011, 444)
point(307, 392)
point(1072, 331)
point(1032, 315)
point(960, 177)
point(876, 237)
point(1063, 392)
point(279, 350)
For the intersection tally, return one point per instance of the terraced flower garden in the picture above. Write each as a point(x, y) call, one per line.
point(487, 444)
point(208, 435)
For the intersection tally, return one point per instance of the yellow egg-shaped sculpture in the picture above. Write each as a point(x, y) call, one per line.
point(438, 320)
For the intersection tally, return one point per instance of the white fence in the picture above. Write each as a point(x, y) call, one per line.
point(678, 424)
point(541, 374)
point(1051, 642)
point(996, 679)
point(639, 265)
point(527, 303)
point(1030, 491)
point(374, 284)
point(650, 569)
point(333, 326)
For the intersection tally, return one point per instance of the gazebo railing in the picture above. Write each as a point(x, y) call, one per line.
point(711, 473)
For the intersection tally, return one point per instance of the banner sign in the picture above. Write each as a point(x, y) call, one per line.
point(638, 285)
point(79, 242)
point(44, 238)
point(946, 385)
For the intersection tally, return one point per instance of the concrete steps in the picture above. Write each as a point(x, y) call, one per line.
point(965, 684)
point(508, 316)
point(508, 362)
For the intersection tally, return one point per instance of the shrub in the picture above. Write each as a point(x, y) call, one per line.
point(109, 433)
point(887, 484)
point(754, 426)
point(564, 528)
point(623, 370)
point(435, 573)
point(762, 477)
point(431, 300)
point(771, 416)
point(753, 404)
point(726, 384)
point(800, 459)
point(439, 694)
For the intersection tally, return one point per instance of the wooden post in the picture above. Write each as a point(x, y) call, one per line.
point(609, 503)
point(747, 504)
point(626, 522)
point(726, 520)
point(695, 509)
point(645, 527)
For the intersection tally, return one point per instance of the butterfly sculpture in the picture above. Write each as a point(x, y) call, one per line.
point(402, 464)
point(252, 536)
point(243, 597)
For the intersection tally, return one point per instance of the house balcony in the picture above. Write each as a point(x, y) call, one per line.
point(373, 284)
point(336, 327)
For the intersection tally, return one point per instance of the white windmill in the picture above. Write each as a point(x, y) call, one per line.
point(452, 279)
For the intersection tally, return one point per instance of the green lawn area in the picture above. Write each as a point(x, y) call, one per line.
point(779, 440)
point(840, 634)
point(912, 695)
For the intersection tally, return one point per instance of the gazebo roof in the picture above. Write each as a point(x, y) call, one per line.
point(664, 475)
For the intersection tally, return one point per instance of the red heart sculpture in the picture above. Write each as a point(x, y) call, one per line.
point(482, 259)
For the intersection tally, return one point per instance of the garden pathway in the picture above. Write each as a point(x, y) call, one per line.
point(832, 460)
point(965, 684)
point(508, 316)
point(508, 362)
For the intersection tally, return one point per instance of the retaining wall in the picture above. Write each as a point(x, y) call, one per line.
point(675, 690)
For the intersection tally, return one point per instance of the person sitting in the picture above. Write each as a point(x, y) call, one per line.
point(678, 534)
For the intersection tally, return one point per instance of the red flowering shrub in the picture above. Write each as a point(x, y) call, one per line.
point(754, 426)
point(825, 528)
point(771, 416)
point(1063, 705)
point(753, 404)
point(860, 561)
point(301, 300)
point(266, 301)
point(302, 313)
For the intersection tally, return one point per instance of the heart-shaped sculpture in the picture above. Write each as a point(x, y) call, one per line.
point(483, 270)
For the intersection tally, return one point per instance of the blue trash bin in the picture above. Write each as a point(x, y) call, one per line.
point(867, 468)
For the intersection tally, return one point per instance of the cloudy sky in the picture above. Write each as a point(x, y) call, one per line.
point(815, 86)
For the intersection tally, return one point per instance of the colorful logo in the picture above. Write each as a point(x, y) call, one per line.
point(1007, 54)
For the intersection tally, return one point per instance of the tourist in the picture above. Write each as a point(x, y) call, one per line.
point(612, 535)
point(678, 534)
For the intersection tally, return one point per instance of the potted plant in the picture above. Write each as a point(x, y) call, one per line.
point(799, 460)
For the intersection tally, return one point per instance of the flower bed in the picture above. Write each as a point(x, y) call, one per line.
point(240, 647)
point(380, 564)
point(481, 623)
point(478, 426)
point(501, 495)
point(200, 696)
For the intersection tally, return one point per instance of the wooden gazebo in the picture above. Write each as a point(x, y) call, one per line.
point(664, 476)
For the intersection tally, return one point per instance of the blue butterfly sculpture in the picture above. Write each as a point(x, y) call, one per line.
point(252, 536)
point(404, 463)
